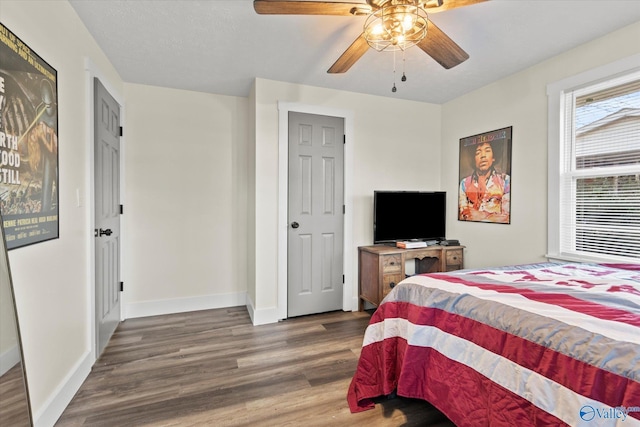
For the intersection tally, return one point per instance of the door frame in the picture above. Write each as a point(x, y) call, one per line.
point(91, 71)
point(349, 299)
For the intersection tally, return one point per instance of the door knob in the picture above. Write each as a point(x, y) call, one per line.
point(295, 225)
point(107, 232)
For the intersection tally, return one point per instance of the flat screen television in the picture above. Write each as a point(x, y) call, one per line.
point(407, 215)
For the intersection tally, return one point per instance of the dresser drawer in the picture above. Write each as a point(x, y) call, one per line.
point(389, 281)
point(453, 260)
point(391, 263)
point(454, 257)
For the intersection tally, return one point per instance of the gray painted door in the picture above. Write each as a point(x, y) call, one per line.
point(107, 209)
point(316, 215)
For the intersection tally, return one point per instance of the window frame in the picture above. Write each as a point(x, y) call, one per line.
point(556, 106)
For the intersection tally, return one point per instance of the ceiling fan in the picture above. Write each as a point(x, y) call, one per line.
point(390, 25)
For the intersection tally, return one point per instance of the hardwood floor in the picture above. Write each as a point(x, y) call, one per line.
point(14, 410)
point(215, 368)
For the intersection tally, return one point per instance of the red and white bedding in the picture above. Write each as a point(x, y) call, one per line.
point(544, 344)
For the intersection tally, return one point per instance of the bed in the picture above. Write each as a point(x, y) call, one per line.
point(541, 344)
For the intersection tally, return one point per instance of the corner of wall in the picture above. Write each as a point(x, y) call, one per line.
point(261, 316)
point(54, 406)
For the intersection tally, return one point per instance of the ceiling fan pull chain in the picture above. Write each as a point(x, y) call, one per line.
point(393, 89)
point(404, 78)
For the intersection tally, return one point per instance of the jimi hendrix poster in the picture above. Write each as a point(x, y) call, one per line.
point(484, 194)
point(28, 144)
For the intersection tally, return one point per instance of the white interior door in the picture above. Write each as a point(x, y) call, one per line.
point(315, 214)
point(107, 214)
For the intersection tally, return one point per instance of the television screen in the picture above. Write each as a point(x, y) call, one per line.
point(407, 215)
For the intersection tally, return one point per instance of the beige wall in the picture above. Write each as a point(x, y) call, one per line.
point(185, 200)
point(51, 278)
point(251, 199)
point(519, 101)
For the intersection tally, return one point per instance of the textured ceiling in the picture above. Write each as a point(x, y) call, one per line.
point(220, 46)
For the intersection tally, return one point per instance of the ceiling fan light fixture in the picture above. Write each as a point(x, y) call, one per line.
point(433, 3)
point(397, 25)
point(360, 10)
point(408, 22)
point(377, 29)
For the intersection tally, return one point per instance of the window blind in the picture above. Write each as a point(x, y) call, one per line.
point(600, 176)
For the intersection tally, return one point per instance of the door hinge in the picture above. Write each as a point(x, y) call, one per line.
point(121, 286)
point(121, 209)
point(121, 131)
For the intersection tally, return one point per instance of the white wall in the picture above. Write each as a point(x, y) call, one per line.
point(185, 206)
point(519, 101)
point(51, 279)
point(9, 342)
point(251, 199)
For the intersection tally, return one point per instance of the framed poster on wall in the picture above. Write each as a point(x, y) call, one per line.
point(28, 144)
point(484, 194)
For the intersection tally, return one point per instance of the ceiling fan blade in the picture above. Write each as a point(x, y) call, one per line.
point(350, 56)
point(440, 47)
point(433, 6)
point(283, 7)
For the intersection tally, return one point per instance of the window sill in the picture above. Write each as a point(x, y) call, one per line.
point(591, 259)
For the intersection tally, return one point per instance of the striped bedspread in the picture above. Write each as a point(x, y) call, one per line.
point(544, 344)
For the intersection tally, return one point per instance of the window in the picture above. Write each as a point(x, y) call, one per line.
point(595, 209)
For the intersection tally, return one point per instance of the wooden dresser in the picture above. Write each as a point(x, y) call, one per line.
point(381, 267)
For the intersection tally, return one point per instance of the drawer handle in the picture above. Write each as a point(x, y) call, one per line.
point(455, 257)
point(392, 285)
point(392, 263)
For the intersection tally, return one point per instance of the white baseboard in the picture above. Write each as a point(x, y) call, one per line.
point(9, 359)
point(262, 316)
point(55, 405)
point(270, 315)
point(355, 301)
point(182, 305)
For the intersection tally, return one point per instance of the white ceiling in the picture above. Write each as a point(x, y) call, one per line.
point(220, 46)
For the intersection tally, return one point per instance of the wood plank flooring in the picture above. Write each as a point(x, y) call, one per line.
point(14, 410)
point(215, 368)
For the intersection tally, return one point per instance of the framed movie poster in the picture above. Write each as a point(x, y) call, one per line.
point(484, 194)
point(28, 144)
